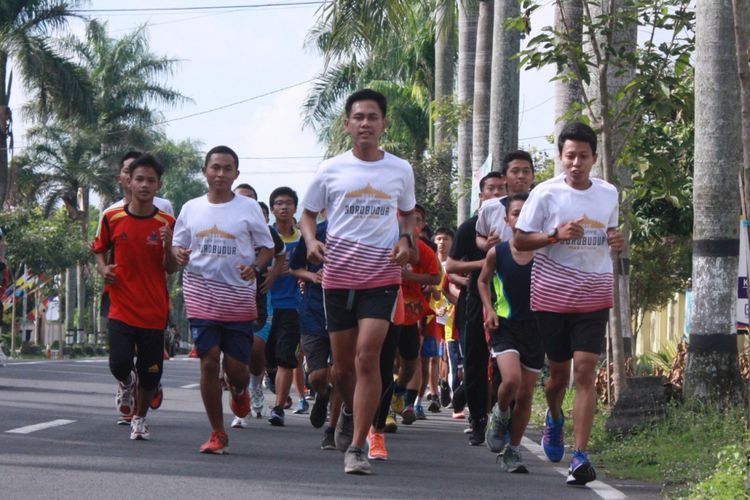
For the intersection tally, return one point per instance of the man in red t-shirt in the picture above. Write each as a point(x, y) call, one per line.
point(140, 236)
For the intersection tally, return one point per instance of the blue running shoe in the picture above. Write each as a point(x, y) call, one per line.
point(552, 439)
point(277, 416)
point(302, 407)
point(419, 412)
point(580, 471)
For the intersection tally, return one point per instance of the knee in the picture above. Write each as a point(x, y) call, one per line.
point(149, 381)
point(511, 384)
point(342, 372)
point(584, 375)
point(557, 383)
point(120, 368)
point(318, 380)
point(210, 361)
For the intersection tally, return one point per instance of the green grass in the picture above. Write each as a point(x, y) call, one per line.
point(678, 452)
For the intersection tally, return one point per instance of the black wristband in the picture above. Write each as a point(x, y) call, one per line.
point(408, 239)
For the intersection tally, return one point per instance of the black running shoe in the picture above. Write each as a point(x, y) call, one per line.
point(319, 411)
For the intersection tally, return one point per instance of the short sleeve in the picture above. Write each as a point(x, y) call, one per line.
point(407, 200)
point(316, 195)
point(483, 223)
point(428, 260)
point(614, 218)
point(259, 231)
point(102, 242)
point(533, 214)
point(181, 236)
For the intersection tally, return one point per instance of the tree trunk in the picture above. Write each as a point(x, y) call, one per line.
point(445, 56)
point(712, 368)
point(5, 125)
point(70, 300)
point(468, 12)
point(568, 20)
point(482, 86)
point(505, 81)
point(83, 220)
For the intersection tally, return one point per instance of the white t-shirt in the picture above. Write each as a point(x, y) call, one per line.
point(491, 219)
point(362, 199)
point(571, 276)
point(221, 237)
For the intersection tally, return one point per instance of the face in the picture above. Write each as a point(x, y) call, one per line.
point(577, 159)
point(283, 208)
point(443, 242)
point(514, 210)
point(220, 172)
point(144, 183)
point(519, 176)
point(249, 193)
point(123, 176)
point(494, 187)
point(365, 124)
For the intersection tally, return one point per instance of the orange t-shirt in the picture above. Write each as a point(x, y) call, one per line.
point(416, 306)
point(138, 297)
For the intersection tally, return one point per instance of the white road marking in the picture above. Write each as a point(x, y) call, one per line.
point(602, 489)
point(189, 386)
point(38, 427)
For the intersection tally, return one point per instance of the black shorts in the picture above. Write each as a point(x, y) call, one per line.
point(565, 333)
point(234, 338)
point(123, 341)
point(344, 308)
point(521, 337)
point(317, 349)
point(283, 339)
point(408, 342)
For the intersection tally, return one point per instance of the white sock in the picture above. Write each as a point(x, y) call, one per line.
point(255, 381)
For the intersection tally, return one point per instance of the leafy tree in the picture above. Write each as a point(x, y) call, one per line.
point(182, 180)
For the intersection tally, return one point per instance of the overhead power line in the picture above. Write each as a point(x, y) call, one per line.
point(196, 8)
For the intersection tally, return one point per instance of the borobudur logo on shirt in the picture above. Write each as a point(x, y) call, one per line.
point(594, 235)
point(367, 202)
point(216, 242)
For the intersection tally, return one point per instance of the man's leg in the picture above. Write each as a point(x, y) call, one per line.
point(555, 387)
point(344, 349)
point(584, 405)
point(258, 357)
point(211, 387)
point(149, 364)
point(522, 409)
point(370, 338)
point(287, 335)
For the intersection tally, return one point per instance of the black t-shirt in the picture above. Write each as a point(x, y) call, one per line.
point(465, 248)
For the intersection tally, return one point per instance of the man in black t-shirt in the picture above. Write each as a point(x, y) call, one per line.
point(465, 258)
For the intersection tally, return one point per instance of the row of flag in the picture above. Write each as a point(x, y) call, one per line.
point(25, 284)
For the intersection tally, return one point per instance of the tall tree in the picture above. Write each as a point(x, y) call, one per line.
point(55, 83)
point(445, 64)
point(712, 370)
point(568, 19)
point(504, 88)
point(482, 86)
point(468, 13)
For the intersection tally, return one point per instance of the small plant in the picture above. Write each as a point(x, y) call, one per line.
point(730, 476)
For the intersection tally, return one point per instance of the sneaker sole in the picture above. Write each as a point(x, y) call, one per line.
point(222, 451)
point(358, 471)
point(299, 412)
point(276, 423)
point(379, 458)
point(139, 437)
point(582, 475)
point(328, 447)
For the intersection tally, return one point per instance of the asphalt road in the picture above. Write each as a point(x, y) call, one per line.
point(77, 451)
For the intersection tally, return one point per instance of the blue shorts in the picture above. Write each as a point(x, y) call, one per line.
point(234, 338)
point(431, 347)
point(263, 333)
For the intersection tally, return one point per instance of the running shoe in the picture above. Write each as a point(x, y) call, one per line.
point(302, 407)
point(344, 430)
point(277, 416)
point(445, 393)
point(193, 353)
point(217, 444)
point(319, 410)
point(498, 431)
point(157, 399)
point(139, 429)
point(459, 398)
point(390, 423)
point(124, 419)
point(270, 383)
point(376, 446)
point(355, 461)
point(580, 471)
point(408, 416)
point(329, 442)
point(240, 423)
point(552, 437)
point(458, 415)
point(257, 401)
point(434, 406)
point(397, 403)
point(419, 412)
point(510, 461)
point(125, 396)
point(478, 427)
point(239, 402)
point(288, 403)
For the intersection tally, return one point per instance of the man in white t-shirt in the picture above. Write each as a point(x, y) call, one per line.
point(215, 238)
point(571, 221)
point(369, 197)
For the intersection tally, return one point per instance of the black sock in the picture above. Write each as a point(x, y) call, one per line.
point(411, 396)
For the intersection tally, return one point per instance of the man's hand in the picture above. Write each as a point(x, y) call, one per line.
point(316, 278)
point(492, 240)
point(615, 239)
point(572, 230)
point(181, 255)
point(166, 235)
point(247, 273)
point(108, 273)
point(491, 321)
point(400, 252)
point(316, 252)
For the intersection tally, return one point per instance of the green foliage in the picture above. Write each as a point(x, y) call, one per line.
point(433, 179)
point(730, 479)
point(182, 179)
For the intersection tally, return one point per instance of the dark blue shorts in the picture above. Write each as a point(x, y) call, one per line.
point(431, 347)
point(234, 338)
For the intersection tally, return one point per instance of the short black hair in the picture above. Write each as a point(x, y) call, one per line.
point(492, 175)
point(245, 185)
point(577, 131)
point(426, 231)
point(419, 208)
point(132, 154)
point(446, 231)
point(264, 207)
point(222, 150)
point(283, 191)
point(516, 155)
point(518, 197)
point(149, 161)
point(366, 95)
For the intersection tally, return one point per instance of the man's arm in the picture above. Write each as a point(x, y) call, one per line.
point(315, 249)
point(462, 266)
point(107, 271)
point(525, 241)
point(423, 279)
point(458, 279)
point(485, 278)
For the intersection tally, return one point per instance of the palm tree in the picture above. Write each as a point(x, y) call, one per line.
point(56, 84)
point(468, 12)
point(482, 85)
point(568, 20)
point(712, 371)
point(445, 64)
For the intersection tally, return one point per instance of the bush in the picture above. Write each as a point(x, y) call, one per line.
point(55, 345)
point(27, 348)
point(88, 350)
point(730, 476)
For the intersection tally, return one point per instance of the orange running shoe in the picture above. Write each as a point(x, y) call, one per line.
point(157, 398)
point(376, 445)
point(193, 353)
point(217, 444)
point(239, 403)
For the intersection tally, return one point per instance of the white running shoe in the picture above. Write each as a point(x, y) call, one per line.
point(125, 396)
point(240, 423)
point(257, 401)
point(139, 429)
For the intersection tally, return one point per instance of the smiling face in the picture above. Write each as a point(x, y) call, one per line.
point(220, 172)
point(577, 159)
point(365, 124)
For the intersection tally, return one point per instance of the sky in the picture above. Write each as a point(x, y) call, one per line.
point(232, 55)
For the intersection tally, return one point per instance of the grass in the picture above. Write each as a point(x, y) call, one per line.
point(678, 452)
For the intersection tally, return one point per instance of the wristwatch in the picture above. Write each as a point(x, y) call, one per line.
point(552, 236)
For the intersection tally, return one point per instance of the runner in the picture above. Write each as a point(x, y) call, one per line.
point(215, 237)
point(514, 339)
point(140, 238)
point(467, 259)
point(570, 220)
point(362, 190)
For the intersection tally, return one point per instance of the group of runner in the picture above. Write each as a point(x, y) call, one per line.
point(366, 299)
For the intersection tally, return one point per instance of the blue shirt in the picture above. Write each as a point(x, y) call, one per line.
point(284, 292)
point(312, 319)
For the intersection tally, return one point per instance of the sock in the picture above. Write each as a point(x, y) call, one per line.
point(514, 448)
point(411, 395)
point(398, 389)
point(255, 381)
